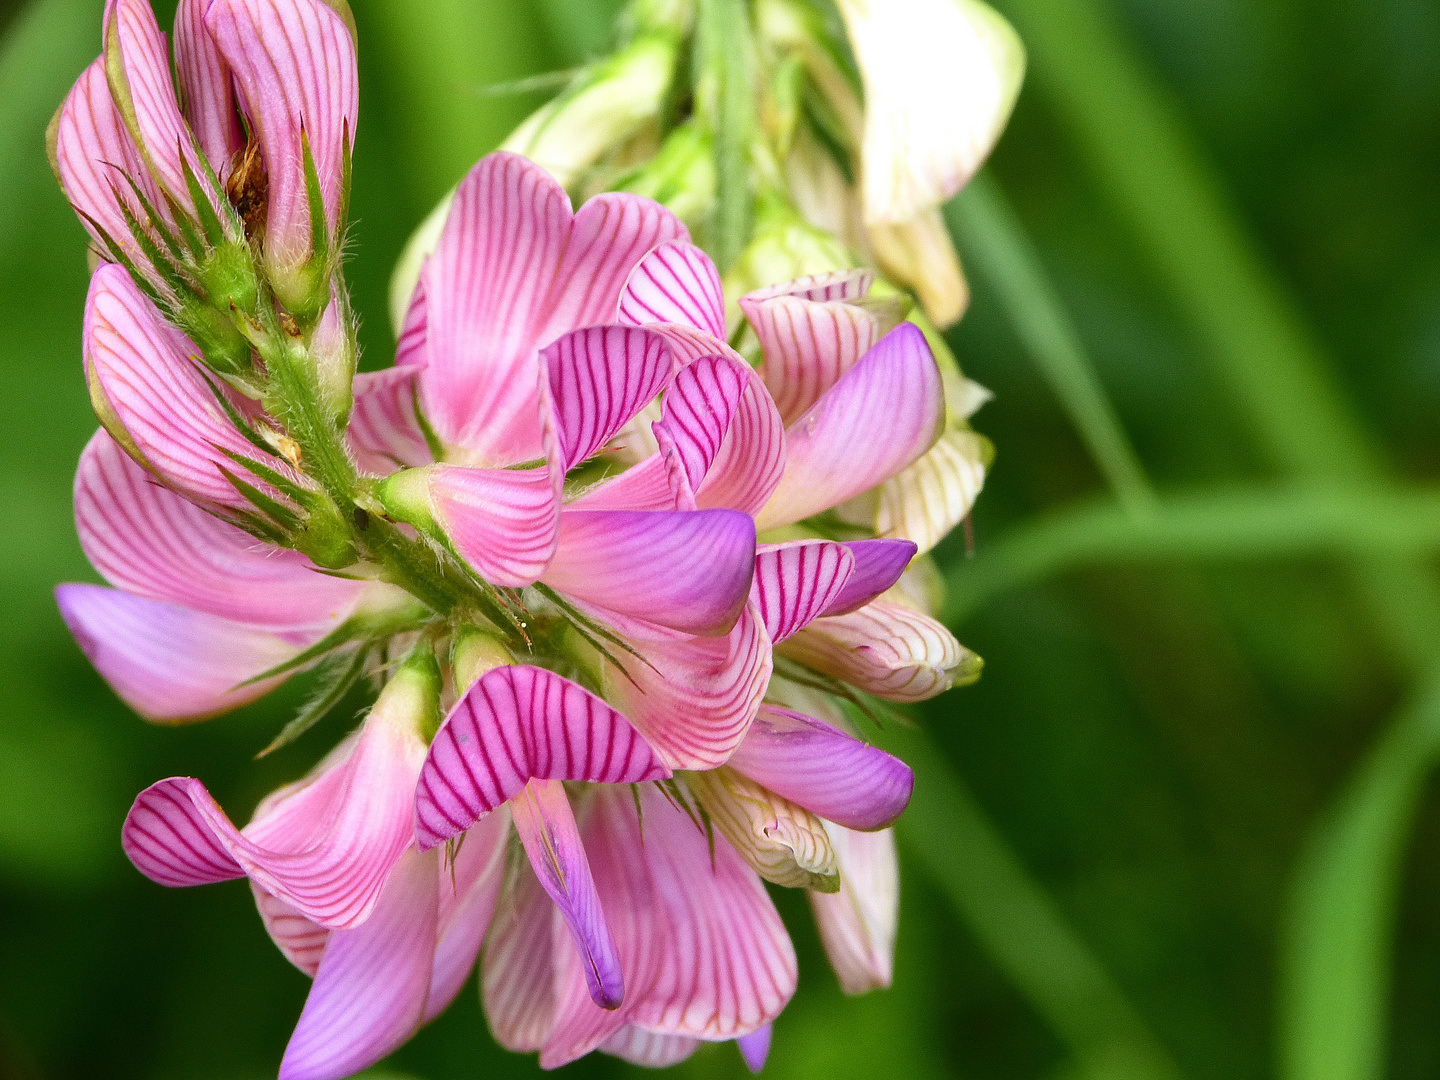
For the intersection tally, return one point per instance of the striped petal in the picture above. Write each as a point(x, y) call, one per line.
point(384, 432)
point(857, 924)
point(149, 541)
point(693, 698)
point(689, 571)
point(139, 71)
point(810, 335)
point(823, 769)
point(301, 941)
point(547, 829)
point(369, 992)
point(797, 582)
point(600, 377)
point(503, 522)
point(881, 416)
point(209, 95)
point(486, 287)
point(517, 980)
point(885, 649)
point(93, 155)
point(168, 663)
point(151, 397)
point(928, 499)
point(293, 69)
point(648, 1049)
point(784, 843)
point(940, 79)
point(323, 846)
point(516, 724)
point(703, 950)
point(469, 888)
point(878, 566)
point(675, 283)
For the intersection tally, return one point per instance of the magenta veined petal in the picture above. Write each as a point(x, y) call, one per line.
point(688, 571)
point(704, 952)
point(209, 96)
point(299, 940)
point(145, 373)
point(370, 989)
point(293, 67)
point(468, 891)
point(796, 582)
point(149, 541)
point(519, 723)
point(384, 432)
point(676, 283)
point(649, 1049)
point(518, 969)
point(693, 698)
point(547, 829)
point(878, 566)
point(857, 924)
point(882, 415)
point(324, 846)
point(503, 522)
point(600, 377)
point(810, 335)
point(168, 663)
point(821, 768)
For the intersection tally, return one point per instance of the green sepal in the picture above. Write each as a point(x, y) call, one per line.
point(225, 348)
point(335, 678)
point(282, 515)
point(204, 209)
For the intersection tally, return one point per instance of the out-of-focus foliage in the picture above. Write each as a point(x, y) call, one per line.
point(1101, 860)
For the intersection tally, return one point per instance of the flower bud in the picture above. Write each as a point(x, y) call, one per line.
point(785, 246)
point(475, 653)
point(681, 177)
point(411, 699)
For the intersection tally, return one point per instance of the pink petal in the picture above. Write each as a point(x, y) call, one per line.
point(693, 698)
point(857, 924)
point(146, 374)
point(370, 990)
point(547, 828)
point(810, 335)
point(878, 566)
point(410, 350)
point(649, 1049)
point(144, 67)
point(885, 649)
point(516, 724)
point(94, 153)
point(293, 66)
point(168, 663)
point(468, 891)
point(486, 287)
point(210, 105)
point(149, 541)
point(755, 1047)
point(824, 770)
point(600, 378)
point(688, 571)
point(675, 283)
point(384, 433)
point(797, 581)
point(883, 414)
point(611, 235)
point(503, 522)
point(301, 941)
point(518, 969)
point(704, 952)
point(323, 846)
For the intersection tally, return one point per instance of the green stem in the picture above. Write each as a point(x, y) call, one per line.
point(993, 240)
point(726, 76)
point(1228, 525)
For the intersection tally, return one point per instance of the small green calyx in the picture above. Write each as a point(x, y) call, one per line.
point(304, 290)
point(325, 537)
point(412, 696)
point(405, 495)
point(223, 345)
point(228, 276)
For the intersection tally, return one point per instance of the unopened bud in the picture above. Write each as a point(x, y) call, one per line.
point(411, 699)
point(681, 177)
point(405, 495)
point(474, 654)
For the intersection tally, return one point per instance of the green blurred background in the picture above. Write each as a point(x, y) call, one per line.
point(1182, 828)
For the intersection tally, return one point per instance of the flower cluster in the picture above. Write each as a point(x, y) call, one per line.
point(604, 570)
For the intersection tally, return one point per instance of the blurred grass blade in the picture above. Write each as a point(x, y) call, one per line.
point(992, 239)
point(1231, 524)
point(1337, 953)
point(945, 830)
